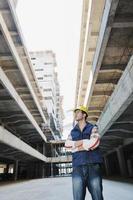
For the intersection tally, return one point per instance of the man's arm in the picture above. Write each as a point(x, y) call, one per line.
point(89, 144)
point(85, 144)
point(69, 143)
point(72, 145)
point(94, 140)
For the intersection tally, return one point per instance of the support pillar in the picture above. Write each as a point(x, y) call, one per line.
point(16, 170)
point(51, 161)
point(106, 164)
point(6, 170)
point(122, 163)
point(130, 167)
point(37, 147)
point(44, 149)
point(43, 170)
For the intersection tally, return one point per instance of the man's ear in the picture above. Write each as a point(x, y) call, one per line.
point(84, 115)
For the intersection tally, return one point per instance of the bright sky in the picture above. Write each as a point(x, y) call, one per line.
point(55, 25)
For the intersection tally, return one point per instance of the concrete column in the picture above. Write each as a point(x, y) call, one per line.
point(43, 170)
point(106, 164)
point(51, 162)
point(130, 167)
point(36, 169)
point(6, 169)
point(122, 163)
point(43, 166)
point(37, 147)
point(44, 149)
point(16, 170)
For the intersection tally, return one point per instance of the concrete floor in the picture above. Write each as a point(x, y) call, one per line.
point(60, 188)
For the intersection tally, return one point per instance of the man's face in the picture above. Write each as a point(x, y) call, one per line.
point(79, 115)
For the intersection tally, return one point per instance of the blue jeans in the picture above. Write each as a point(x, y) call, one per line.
point(87, 176)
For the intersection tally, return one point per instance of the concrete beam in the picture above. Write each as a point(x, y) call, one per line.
point(92, 49)
point(11, 70)
point(94, 112)
point(9, 58)
point(122, 25)
point(115, 71)
point(119, 100)
point(59, 159)
point(106, 25)
point(8, 85)
point(15, 54)
point(92, 116)
point(4, 11)
point(5, 57)
point(96, 109)
point(112, 137)
point(124, 122)
point(113, 66)
point(100, 93)
point(11, 140)
point(112, 80)
point(11, 114)
point(94, 33)
point(57, 142)
point(120, 130)
point(90, 33)
point(122, 134)
point(3, 116)
point(14, 33)
point(100, 96)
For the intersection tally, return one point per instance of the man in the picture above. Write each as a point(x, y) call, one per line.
point(84, 140)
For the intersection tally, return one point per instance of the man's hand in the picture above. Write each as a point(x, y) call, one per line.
point(78, 143)
point(80, 148)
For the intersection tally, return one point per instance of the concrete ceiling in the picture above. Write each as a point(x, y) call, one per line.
point(20, 97)
point(112, 53)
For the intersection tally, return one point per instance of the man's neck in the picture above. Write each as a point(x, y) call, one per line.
point(82, 124)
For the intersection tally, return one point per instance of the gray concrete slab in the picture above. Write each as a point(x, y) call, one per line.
point(60, 188)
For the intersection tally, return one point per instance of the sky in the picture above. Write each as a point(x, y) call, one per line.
point(55, 25)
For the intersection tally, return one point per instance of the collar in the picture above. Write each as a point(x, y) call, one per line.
point(76, 127)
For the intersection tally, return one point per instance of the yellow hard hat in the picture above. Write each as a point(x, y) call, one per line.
point(83, 108)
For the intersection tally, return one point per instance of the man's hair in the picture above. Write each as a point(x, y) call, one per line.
point(85, 114)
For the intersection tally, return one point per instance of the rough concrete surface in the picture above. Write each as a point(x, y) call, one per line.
point(60, 189)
